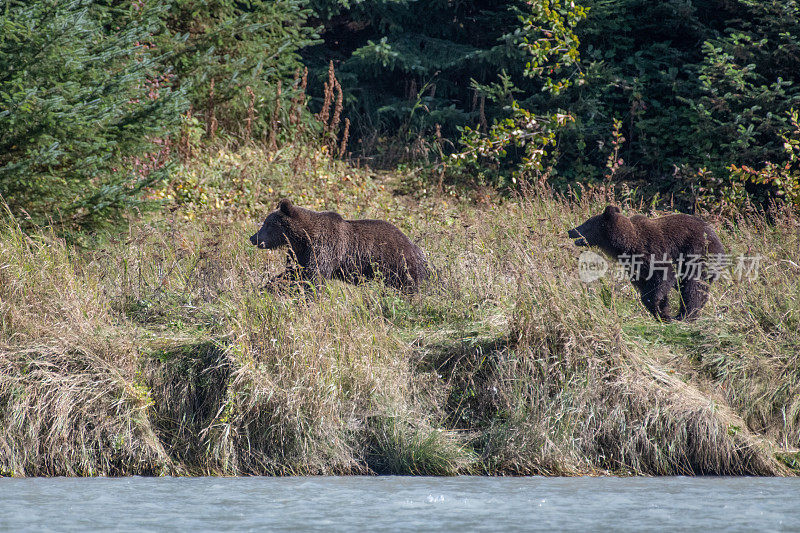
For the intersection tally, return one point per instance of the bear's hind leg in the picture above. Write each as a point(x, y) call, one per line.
point(694, 295)
point(655, 294)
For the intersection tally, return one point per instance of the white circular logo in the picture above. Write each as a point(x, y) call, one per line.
point(591, 266)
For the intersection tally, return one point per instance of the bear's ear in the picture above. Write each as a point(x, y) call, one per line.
point(286, 207)
point(611, 210)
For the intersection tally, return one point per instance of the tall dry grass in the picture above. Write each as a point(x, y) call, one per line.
point(154, 351)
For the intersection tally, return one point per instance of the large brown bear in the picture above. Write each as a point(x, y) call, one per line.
point(652, 250)
point(323, 245)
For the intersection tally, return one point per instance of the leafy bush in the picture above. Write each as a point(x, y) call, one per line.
point(700, 84)
point(547, 35)
point(693, 86)
point(783, 180)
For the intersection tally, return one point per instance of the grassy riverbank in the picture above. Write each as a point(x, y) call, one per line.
point(154, 352)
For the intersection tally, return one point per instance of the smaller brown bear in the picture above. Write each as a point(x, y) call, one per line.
point(323, 245)
point(652, 250)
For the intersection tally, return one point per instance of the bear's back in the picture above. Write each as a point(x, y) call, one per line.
point(381, 244)
point(381, 234)
point(680, 233)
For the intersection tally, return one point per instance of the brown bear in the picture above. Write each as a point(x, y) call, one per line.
point(652, 250)
point(323, 245)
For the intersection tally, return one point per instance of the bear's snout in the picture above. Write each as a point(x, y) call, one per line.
point(254, 239)
point(579, 240)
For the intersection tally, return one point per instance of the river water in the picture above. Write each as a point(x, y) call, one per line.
point(457, 504)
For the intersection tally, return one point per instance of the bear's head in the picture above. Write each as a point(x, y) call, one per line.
point(600, 230)
point(277, 229)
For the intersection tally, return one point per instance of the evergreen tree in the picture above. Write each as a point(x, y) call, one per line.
point(235, 44)
point(85, 107)
point(415, 65)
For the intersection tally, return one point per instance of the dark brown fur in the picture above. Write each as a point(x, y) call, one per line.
point(323, 245)
point(673, 237)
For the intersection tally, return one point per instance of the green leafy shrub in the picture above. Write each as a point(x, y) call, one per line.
point(698, 85)
point(693, 86)
point(782, 181)
point(547, 36)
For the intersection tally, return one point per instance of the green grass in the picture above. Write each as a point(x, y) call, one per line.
point(153, 351)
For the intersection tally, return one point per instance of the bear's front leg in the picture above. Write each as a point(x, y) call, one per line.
point(694, 295)
point(294, 274)
point(655, 296)
point(284, 279)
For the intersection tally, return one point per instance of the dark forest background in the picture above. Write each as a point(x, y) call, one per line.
point(686, 101)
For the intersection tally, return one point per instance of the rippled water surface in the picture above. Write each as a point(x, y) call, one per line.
point(401, 503)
